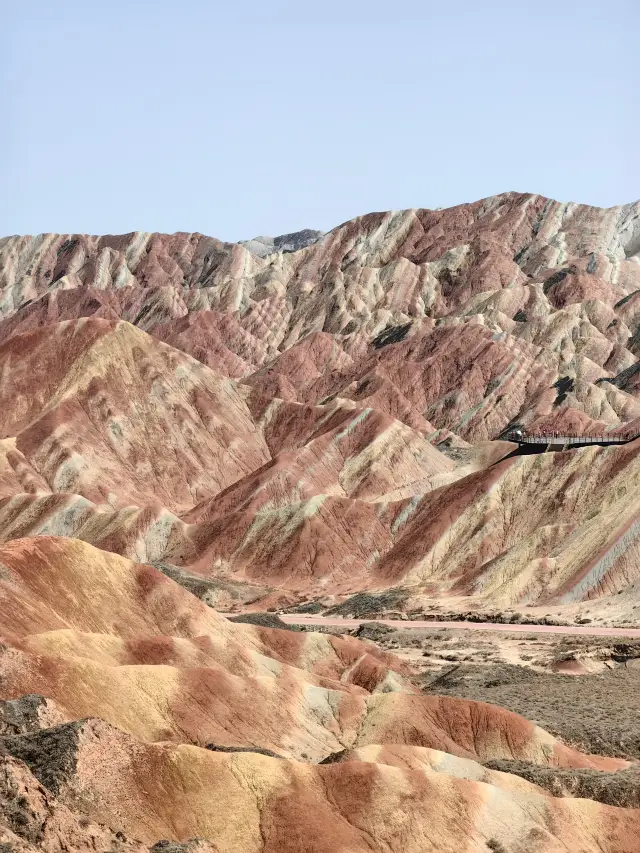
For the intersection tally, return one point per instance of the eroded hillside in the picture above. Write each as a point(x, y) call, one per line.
point(317, 415)
point(132, 714)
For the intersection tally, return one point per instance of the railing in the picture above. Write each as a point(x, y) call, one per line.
point(558, 438)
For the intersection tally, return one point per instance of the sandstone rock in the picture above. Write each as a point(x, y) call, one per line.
point(145, 675)
point(188, 424)
point(373, 367)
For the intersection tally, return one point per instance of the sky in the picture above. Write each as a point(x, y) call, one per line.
point(253, 118)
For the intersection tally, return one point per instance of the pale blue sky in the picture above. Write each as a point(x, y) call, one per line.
point(261, 118)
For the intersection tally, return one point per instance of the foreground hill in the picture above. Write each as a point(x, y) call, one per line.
point(131, 713)
point(313, 416)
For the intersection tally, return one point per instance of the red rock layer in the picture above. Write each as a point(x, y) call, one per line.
point(140, 675)
point(321, 421)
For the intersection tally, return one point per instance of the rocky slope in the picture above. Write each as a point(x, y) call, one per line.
point(293, 419)
point(313, 415)
point(133, 717)
point(304, 418)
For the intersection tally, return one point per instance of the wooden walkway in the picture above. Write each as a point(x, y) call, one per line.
point(559, 440)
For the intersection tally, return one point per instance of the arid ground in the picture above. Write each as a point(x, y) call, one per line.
point(330, 425)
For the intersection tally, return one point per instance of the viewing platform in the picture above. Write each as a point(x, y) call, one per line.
point(557, 441)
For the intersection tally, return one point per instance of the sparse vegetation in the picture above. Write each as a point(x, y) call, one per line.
point(264, 620)
point(600, 721)
point(614, 789)
point(366, 605)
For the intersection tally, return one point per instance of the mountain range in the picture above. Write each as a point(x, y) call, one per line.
point(190, 428)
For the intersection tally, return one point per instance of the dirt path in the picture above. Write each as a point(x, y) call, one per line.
point(582, 630)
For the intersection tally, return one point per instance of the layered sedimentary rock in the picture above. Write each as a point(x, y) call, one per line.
point(134, 717)
point(294, 418)
point(319, 414)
